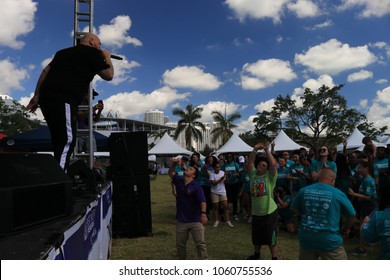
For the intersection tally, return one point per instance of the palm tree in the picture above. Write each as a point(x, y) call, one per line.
point(189, 124)
point(225, 127)
point(156, 134)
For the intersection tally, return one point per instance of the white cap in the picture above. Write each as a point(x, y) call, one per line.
point(241, 159)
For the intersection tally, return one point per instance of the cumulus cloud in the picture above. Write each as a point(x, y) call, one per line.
point(379, 111)
point(115, 34)
point(360, 76)
point(135, 104)
point(219, 106)
point(266, 105)
point(333, 57)
point(11, 77)
point(255, 9)
point(21, 13)
point(245, 125)
point(192, 77)
point(123, 70)
point(265, 73)
point(381, 81)
point(304, 8)
point(370, 8)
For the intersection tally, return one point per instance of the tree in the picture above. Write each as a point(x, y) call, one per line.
point(189, 124)
point(156, 134)
point(15, 119)
point(224, 130)
point(322, 118)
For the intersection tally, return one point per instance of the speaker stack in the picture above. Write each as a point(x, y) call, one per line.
point(33, 189)
point(131, 186)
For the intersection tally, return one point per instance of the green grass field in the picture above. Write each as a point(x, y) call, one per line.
point(223, 242)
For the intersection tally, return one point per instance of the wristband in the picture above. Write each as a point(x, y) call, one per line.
point(203, 212)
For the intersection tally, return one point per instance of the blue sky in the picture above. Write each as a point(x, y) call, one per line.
point(233, 55)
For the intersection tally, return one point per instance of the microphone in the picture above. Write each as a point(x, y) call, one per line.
point(113, 56)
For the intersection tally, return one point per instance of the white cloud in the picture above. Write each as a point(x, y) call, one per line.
point(256, 9)
point(190, 77)
point(322, 25)
point(360, 76)
point(11, 77)
point(363, 103)
point(265, 73)
point(266, 105)
point(245, 125)
point(304, 8)
point(123, 69)
point(379, 112)
point(381, 81)
point(221, 107)
point(333, 57)
point(135, 104)
point(370, 8)
point(115, 34)
point(16, 19)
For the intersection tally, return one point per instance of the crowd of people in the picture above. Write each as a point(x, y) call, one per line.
point(325, 196)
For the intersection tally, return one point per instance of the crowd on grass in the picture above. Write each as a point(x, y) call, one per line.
point(323, 196)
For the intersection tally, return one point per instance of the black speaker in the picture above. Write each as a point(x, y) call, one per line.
point(131, 184)
point(129, 152)
point(33, 189)
point(131, 206)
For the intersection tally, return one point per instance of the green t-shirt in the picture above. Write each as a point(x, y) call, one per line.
point(262, 192)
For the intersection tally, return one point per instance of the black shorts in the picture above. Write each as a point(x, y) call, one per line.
point(264, 229)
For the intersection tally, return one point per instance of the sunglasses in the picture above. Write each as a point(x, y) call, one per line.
point(323, 150)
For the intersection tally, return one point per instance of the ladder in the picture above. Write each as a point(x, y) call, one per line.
point(83, 19)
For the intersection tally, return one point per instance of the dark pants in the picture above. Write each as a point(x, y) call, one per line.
point(61, 119)
point(232, 191)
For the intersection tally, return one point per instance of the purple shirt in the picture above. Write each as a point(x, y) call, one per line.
point(188, 200)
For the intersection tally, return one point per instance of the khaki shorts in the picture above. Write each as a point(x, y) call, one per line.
point(215, 198)
point(336, 254)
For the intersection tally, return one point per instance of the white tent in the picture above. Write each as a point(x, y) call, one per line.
point(167, 146)
point(354, 140)
point(285, 143)
point(234, 145)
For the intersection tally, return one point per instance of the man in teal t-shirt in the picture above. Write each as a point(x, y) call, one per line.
point(320, 206)
point(378, 228)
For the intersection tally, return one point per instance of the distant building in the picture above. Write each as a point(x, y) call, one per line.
point(154, 116)
point(8, 100)
point(206, 137)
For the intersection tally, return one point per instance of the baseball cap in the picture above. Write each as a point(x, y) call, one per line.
point(184, 158)
point(241, 159)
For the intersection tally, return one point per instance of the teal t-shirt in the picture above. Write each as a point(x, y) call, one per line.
point(378, 228)
point(230, 169)
point(262, 192)
point(321, 206)
point(282, 180)
point(368, 187)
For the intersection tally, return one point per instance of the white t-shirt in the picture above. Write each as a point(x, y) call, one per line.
point(220, 188)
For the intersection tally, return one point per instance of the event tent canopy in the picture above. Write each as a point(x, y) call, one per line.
point(167, 146)
point(39, 140)
point(285, 143)
point(234, 145)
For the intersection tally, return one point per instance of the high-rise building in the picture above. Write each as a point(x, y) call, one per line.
point(154, 116)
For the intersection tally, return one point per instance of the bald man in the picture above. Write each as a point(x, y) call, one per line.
point(62, 86)
point(320, 206)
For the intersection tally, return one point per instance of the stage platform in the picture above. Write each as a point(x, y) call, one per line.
point(84, 234)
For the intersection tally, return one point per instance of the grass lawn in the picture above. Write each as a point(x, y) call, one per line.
point(223, 242)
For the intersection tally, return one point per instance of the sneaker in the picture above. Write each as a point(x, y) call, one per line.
point(229, 224)
point(358, 252)
point(216, 224)
point(235, 217)
point(253, 257)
